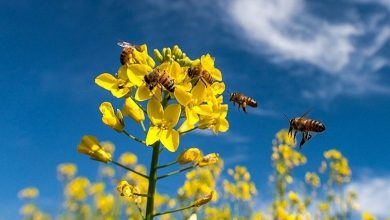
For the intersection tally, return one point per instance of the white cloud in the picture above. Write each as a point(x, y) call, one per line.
point(346, 53)
point(288, 30)
point(373, 195)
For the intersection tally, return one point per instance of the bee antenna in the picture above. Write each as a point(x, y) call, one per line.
point(286, 117)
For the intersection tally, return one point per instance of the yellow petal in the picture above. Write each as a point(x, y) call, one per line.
point(170, 139)
point(155, 111)
point(182, 96)
point(136, 73)
point(191, 116)
point(132, 110)
point(153, 135)
point(218, 88)
point(223, 125)
point(106, 81)
point(119, 93)
point(207, 62)
point(143, 93)
point(187, 125)
point(172, 114)
point(216, 74)
point(198, 92)
point(122, 72)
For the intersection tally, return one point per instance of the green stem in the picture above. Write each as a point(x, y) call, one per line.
point(140, 211)
point(129, 169)
point(133, 137)
point(176, 172)
point(174, 210)
point(152, 181)
point(167, 165)
point(184, 132)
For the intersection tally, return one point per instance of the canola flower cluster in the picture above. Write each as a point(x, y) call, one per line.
point(170, 96)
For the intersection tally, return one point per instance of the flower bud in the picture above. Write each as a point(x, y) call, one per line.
point(204, 199)
point(90, 146)
point(189, 155)
point(132, 109)
point(209, 159)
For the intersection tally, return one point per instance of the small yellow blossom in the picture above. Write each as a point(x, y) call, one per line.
point(97, 188)
point(28, 193)
point(128, 191)
point(368, 216)
point(28, 209)
point(204, 199)
point(111, 119)
point(293, 197)
point(312, 179)
point(133, 110)
point(108, 146)
point(77, 189)
point(128, 159)
point(66, 170)
point(90, 146)
point(208, 160)
point(118, 85)
point(104, 203)
point(333, 154)
point(189, 155)
point(163, 123)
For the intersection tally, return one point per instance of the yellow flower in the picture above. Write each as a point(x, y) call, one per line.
point(104, 203)
point(189, 155)
point(216, 120)
point(132, 109)
point(77, 189)
point(367, 216)
point(163, 123)
point(293, 197)
point(127, 191)
point(204, 199)
point(333, 154)
point(128, 159)
point(312, 179)
point(28, 209)
point(208, 160)
point(28, 193)
point(67, 170)
point(97, 188)
point(108, 146)
point(119, 85)
point(90, 146)
point(110, 119)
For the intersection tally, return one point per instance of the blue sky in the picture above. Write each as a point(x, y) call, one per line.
point(290, 55)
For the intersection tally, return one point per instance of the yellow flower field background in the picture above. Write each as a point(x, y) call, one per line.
point(166, 102)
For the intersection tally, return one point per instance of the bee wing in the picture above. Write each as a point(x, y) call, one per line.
point(307, 112)
point(124, 44)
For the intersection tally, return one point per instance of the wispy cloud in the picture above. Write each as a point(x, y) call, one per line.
point(373, 194)
point(265, 112)
point(230, 136)
point(289, 31)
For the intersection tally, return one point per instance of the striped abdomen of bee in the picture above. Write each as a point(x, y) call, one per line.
point(204, 76)
point(124, 57)
point(242, 100)
point(305, 124)
point(156, 77)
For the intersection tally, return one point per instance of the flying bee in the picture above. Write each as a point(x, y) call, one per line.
point(158, 77)
point(242, 100)
point(204, 76)
point(306, 126)
point(126, 51)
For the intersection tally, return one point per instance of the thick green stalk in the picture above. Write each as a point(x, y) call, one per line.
point(152, 181)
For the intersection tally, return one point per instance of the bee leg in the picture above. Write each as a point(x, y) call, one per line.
point(204, 82)
point(244, 106)
point(302, 141)
point(290, 131)
point(295, 134)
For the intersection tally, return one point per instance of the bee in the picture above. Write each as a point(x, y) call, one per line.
point(126, 51)
point(204, 76)
point(158, 77)
point(242, 100)
point(306, 126)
